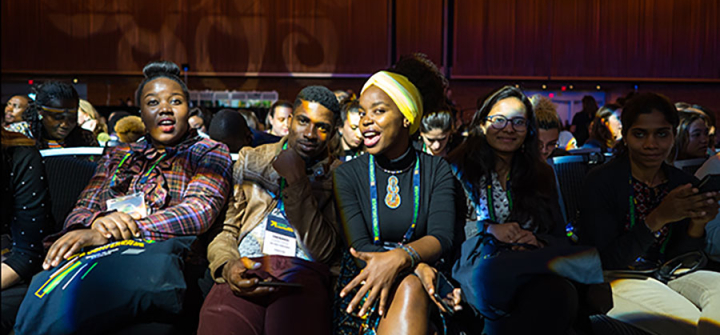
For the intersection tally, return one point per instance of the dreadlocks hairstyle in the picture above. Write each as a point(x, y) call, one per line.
point(533, 182)
point(161, 69)
point(44, 94)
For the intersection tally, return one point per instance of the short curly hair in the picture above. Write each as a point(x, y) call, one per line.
point(321, 95)
point(545, 113)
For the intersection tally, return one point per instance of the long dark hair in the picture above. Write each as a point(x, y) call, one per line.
point(532, 181)
point(599, 130)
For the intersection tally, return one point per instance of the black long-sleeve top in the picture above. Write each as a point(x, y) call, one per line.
point(25, 208)
point(436, 215)
point(604, 206)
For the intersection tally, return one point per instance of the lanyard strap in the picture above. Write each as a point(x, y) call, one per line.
point(633, 203)
point(491, 208)
point(144, 178)
point(374, 201)
point(281, 204)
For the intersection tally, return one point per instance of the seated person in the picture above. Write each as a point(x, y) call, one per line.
point(14, 109)
point(436, 133)
point(280, 227)
point(605, 129)
point(25, 220)
point(639, 212)
point(229, 127)
point(549, 127)
point(129, 129)
point(397, 205)
point(693, 137)
point(52, 119)
point(512, 196)
point(259, 137)
point(712, 229)
point(200, 119)
point(278, 118)
point(351, 139)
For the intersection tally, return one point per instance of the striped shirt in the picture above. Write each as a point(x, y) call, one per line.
point(184, 192)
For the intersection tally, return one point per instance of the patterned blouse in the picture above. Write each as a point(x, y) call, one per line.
point(646, 200)
point(184, 189)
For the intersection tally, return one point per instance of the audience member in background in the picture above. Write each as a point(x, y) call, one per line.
point(278, 118)
point(711, 124)
point(130, 129)
point(605, 129)
point(259, 137)
point(567, 141)
point(693, 137)
point(280, 227)
point(199, 120)
point(512, 193)
point(388, 232)
point(89, 119)
point(53, 118)
point(112, 120)
point(341, 95)
point(14, 109)
point(581, 120)
point(229, 127)
point(549, 128)
point(436, 133)
point(351, 138)
point(712, 229)
point(183, 177)
point(25, 219)
point(640, 212)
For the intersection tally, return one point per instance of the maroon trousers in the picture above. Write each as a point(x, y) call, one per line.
point(305, 310)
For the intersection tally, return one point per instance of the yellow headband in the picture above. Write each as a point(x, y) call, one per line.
point(402, 92)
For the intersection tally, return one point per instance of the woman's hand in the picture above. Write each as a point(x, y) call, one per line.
point(71, 243)
point(119, 225)
point(378, 277)
point(428, 275)
point(683, 202)
point(505, 232)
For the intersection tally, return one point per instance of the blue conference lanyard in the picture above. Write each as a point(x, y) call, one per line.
point(144, 178)
point(374, 201)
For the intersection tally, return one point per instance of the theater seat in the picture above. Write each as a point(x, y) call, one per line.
point(570, 172)
point(67, 177)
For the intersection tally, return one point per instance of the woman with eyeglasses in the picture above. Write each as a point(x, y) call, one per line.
point(511, 195)
point(53, 118)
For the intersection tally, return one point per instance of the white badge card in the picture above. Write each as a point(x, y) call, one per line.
point(279, 236)
point(129, 204)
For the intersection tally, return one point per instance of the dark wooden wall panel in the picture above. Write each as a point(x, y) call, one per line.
point(419, 28)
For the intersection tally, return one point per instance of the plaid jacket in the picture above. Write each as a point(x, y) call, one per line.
point(184, 192)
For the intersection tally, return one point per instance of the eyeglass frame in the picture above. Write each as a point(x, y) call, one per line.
point(505, 123)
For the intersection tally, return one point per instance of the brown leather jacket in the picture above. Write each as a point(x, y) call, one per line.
point(310, 207)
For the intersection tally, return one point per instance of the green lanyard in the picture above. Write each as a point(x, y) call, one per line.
point(144, 178)
point(374, 201)
point(491, 209)
point(281, 204)
point(633, 203)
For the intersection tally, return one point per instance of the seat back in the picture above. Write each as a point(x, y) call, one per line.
point(570, 172)
point(68, 172)
point(690, 166)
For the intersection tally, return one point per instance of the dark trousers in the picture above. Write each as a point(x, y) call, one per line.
point(11, 299)
point(305, 310)
point(548, 304)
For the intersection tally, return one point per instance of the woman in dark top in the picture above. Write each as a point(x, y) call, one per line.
point(511, 196)
point(25, 220)
point(605, 129)
point(53, 118)
point(396, 203)
point(639, 212)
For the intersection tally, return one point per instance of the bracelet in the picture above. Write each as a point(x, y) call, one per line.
point(417, 256)
point(412, 257)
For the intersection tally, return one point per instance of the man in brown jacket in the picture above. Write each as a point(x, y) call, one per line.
point(271, 261)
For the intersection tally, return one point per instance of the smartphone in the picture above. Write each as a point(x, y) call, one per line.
point(711, 183)
point(275, 283)
point(443, 287)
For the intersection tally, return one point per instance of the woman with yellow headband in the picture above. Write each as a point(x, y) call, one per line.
point(397, 206)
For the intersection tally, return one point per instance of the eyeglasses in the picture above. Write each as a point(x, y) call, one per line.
point(59, 114)
point(499, 122)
